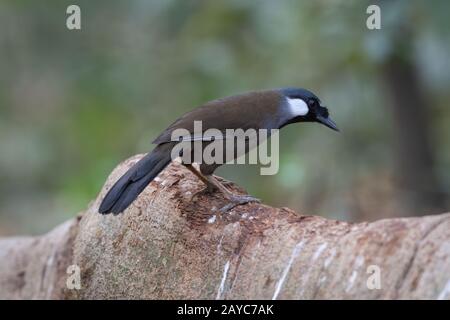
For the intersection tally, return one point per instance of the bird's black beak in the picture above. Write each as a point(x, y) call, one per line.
point(327, 122)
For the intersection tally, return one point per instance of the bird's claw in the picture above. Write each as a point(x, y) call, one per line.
point(238, 200)
point(207, 190)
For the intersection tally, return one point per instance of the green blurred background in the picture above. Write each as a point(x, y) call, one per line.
point(73, 104)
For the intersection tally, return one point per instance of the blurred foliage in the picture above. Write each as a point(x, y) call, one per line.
point(75, 103)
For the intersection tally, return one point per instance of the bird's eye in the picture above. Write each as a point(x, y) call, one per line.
point(311, 103)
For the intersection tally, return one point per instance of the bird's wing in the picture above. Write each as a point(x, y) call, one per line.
point(239, 112)
point(202, 137)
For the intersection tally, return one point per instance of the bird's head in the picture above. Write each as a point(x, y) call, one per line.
point(304, 106)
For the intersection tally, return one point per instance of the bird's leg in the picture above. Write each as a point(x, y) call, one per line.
point(213, 184)
point(209, 187)
point(235, 199)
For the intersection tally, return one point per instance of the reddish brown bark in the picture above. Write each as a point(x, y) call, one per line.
point(166, 247)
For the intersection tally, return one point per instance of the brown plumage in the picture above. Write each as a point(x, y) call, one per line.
point(240, 111)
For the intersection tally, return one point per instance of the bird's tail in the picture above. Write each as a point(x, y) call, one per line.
point(134, 181)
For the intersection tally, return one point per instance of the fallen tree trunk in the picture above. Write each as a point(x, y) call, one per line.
point(166, 246)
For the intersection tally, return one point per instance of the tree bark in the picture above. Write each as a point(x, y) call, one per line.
point(167, 246)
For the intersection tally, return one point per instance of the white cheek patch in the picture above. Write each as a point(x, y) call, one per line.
point(297, 107)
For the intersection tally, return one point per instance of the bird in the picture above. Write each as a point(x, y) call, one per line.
point(262, 109)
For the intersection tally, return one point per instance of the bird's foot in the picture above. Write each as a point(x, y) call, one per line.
point(225, 182)
point(237, 200)
point(208, 190)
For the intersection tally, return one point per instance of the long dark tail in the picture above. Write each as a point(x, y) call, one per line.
point(134, 181)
